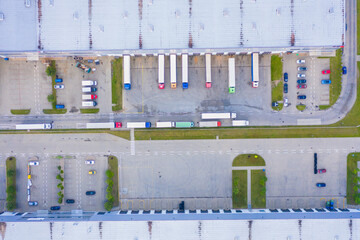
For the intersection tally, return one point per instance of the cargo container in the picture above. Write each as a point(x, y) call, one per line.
point(210, 124)
point(127, 80)
point(89, 97)
point(240, 123)
point(208, 70)
point(209, 116)
point(89, 83)
point(89, 103)
point(165, 124)
point(161, 71)
point(184, 124)
point(231, 75)
point(89, 89)
point(173, 70)
point(255, 69)
point(185, 76)
point(138, 125)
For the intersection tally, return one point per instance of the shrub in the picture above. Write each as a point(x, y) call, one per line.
point(109, 174)
point(51, 98)
point(11, 205)
point(59, 194)
point(58, 177)
point(11, 173)
point(59, 185)
point(51, 69)
point(11, 190)
point(60, 200)
point(109, 182)
point(108, 205)
point(61, 171)
point(59, 168)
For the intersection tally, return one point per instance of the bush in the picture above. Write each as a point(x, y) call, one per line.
point(59, 168)
point(61, 171)
point(58, 177)
point(11, 205)
point(60, 200)
point(11, 190)
point(108, 205)
point(59, 185)
point(109, 174)
point(59, 194)
point(109, 182)
point(11, 173)
point(51, 69)
point(51, 98)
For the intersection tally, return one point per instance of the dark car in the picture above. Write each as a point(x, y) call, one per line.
point(301, 86)
point(285, 88)
point(90, 193)
point(55, 208)
point(323, 170)
point(321, 184)
point(70, 201)
point(33, 203)
point(301, 97)
point(301, 81)
point(330, 205)
point(302, 68)
point(286, 77)
point(344, 70)
point(275, 104)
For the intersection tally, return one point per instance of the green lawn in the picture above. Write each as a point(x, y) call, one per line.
point(277, 94)
point(248, 160)
point(301, 107)
point(232, 133)
point(54, 111)
point(11, 183)
point(335, 76)
point(113, 166)
point(20, 111)
point(353, 117)
point(324, 107)
point(258, 189)
point(276, 67)
point(89, 110)
point(239, 182)
point(116, 84)
point(352, 160)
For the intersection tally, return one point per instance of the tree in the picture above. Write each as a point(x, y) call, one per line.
point(58, 177)
point(51, 70)
point(109, 197)
point(59, 168)
point(60, 200)
point(236, 191)
point(109, 182)
point(59, 194)
point(11, 205)
point(109, 173)
point(109, 189)
point(59, 185)
point(61, 171)
point(108, 205)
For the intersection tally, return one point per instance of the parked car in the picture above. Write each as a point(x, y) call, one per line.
point(326, 71)
point(34, 163)
point(344, 70)
point(89, 162)
point(285, 88)
point(55, 208)
point(323, 170)
point(286, 102)
point(302, 68)
point(275, 104)
point(300, 61)
point(92, 172)
point(58, 80)
point(330, 205)
point(301, 81)
point(301, 75)
point(59, 106)
point(59, 86)
point(321, 184)
point(326, 81)
point(301, 96)
point(33, 203)
point(90, 193)
point(70, 201)
point(286, 77)
point(301, 86)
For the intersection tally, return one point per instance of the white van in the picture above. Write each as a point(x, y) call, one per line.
point(89, 83)
point(89, 103)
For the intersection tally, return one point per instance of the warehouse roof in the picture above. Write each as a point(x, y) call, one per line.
point(69, 25)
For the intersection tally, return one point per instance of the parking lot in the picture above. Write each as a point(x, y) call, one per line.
point(316, 93)
point(146, 97)
point(77, 181)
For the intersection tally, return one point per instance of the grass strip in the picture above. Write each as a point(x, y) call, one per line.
point(20, 111)
point(277, 85)
point(11, 183)
point(239, 188)
point(358, 26)
point(89, 110)
point(335, 76)
point(113, 167)
point(276, 67)
point(258, 189)
point(301, 107)
point(116, 84)
point(55, 111)
point(351, 178)
point(248, 160)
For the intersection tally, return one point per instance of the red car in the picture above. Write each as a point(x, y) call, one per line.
point(118, 125)
point(322, 170)
point(326, 72)
point(301, 86)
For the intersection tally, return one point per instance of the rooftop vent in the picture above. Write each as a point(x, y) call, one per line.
point(225, 12)
point(254, 26)
point(101, 28)
point(125, 14)
point(150, 2)
point(151, 28)
point(201, 26)
point(177, 13)
point(278, 11)
point(331, 10)
point(76, 16)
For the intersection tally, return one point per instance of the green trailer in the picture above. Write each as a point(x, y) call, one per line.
point(184, 124)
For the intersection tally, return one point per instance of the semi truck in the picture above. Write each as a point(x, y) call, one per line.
point(138, 125)
point(161, 71)
point(208, 70)
point(33, 126)
point(104, 125)
point(185, 75)
point(165, 124)
point(173, 70)
point(208, 116)
point(89, 83)
point(240, 123)
point(184, 124)
point(255, 70)
point(89, 97)
point(89, 103)
point(231, 75)
point(89, 89)
point(210, 124)
point(127, 82)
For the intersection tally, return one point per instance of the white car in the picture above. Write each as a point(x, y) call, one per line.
point(300, 61)
point(34, 163)
point(286, 102)
point(301, 75)
point(89, 162)
point(59, 86)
